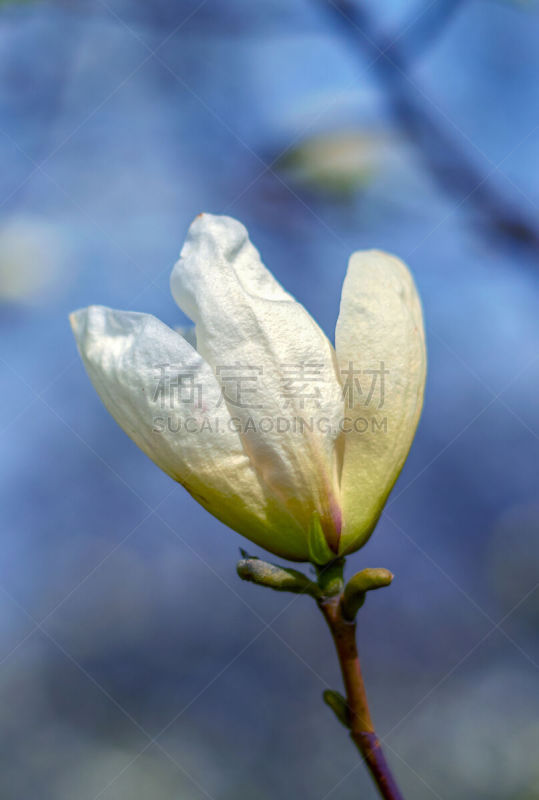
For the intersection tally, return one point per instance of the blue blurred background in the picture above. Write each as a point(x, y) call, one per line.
point(133, 662)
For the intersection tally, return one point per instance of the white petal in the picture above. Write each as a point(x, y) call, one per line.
point(187, 332)
point(248, 326)
point(380, 329)
point(152, 381)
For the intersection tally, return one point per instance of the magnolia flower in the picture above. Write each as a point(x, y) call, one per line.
point(291, 442)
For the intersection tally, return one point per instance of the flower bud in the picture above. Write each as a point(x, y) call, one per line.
point(303, 476)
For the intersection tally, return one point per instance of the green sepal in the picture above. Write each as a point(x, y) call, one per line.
point(245, 554)
point(319, 551)
point(359, 584)
point(338, 705)
point(282, 579)
point(330, 577)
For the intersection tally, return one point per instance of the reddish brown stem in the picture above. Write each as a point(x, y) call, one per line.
point(361, 727)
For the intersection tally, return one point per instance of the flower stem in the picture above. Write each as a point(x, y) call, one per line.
point(360, 722)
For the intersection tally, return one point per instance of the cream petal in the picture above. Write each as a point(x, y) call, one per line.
point(152, 381)
point(262, 342)
point(380, 343)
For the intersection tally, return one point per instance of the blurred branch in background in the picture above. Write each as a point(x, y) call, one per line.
point(423, 28)
point(456, 172)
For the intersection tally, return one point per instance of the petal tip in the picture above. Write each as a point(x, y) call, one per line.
point(77, 319)
point(82, 316)
point(215, 223)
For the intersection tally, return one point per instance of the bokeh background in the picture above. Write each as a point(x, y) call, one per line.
point(133, 662)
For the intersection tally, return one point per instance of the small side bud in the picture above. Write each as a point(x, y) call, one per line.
point(338, 705)
point(355, 590)
point(281, 579)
